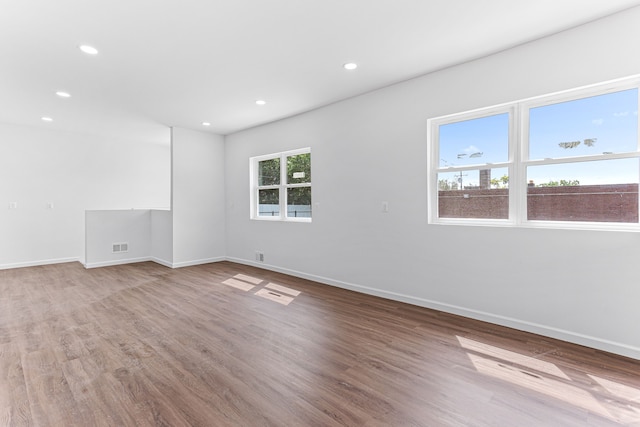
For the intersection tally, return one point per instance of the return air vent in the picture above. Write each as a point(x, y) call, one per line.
point(120, 247)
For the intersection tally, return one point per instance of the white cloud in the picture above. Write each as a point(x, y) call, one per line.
point(621, 114)
point(471, 149)
point(597, 122)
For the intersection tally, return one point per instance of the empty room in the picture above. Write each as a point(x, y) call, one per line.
point(319, 213)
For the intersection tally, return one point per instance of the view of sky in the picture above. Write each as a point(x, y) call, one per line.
point(600, 124)
point(477, 141)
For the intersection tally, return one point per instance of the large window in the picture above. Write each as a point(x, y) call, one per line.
point(281, 186)
point(564, 160)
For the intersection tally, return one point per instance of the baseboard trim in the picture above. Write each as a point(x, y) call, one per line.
point(561, 334)
point(197, 262)
point(116, 262)
point(548, 331)
point(37, 263)
point(156, 260)
point(162, 262)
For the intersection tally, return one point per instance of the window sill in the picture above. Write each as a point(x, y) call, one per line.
point(543, 225)
point(277, 219)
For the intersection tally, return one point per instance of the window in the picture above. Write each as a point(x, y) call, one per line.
point(471, 152)
point(564, 160)
point(281, 186)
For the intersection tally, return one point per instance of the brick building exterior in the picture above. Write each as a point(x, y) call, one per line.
point(597, 203)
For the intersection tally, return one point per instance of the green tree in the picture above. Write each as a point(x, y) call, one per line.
point(561, 183)
point(502, 182)
point(444, 185)
point(298, 172)
point(269, 174)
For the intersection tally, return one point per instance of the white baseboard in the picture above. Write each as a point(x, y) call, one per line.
point(548, 331)
point(162, 262)
point(116, 262)
point(561, 334)
point(37, 263)
point(197, 262)
point(156, 260)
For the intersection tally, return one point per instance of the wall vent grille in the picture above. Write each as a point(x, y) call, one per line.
point(119, 247)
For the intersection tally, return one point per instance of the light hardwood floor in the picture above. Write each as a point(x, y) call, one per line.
point(144, 345)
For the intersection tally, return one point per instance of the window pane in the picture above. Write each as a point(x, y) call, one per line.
point(299, 202)
point(299, 168)
point(269, 202)
point(477, 141)
point(600, 191)
point(269, 172)
point(595, 125)
point(474, 194)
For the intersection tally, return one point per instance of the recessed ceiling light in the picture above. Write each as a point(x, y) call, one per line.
point(62, 94)
point(206, 124)
point(350, 66)
point(261, 102)
point(89, 49)
point(47, 119)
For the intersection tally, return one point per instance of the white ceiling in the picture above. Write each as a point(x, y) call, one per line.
point(178, 63)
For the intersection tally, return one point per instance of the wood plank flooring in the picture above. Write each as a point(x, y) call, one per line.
point(144, 345)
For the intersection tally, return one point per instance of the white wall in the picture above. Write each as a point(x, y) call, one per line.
point(198, 197)
point(105, 228)
point(162, 237)
point(581, 286)
point(148, 234)
point(192, 232)
point(75, 172)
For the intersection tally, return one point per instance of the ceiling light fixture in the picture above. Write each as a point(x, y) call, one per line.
point(90, 50)
point(62, 94)
point(261, 102)
point(350, 66)
point(47, 119)
point(206, 124)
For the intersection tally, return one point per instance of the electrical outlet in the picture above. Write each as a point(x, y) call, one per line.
point(259, 256)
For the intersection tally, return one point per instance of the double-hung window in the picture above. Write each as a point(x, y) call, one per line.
point(281, 186)
point(473, 158)
point(568, 160)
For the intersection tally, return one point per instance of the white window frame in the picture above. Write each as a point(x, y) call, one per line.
point(282, 187)
point(519, 159)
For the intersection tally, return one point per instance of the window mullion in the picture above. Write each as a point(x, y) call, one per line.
point(432, 176)
point(521, 153)
point(299, 185)
point(580, 159)
point(473, 167)
point(638, 125)
point(283, 186)
point(638, 145)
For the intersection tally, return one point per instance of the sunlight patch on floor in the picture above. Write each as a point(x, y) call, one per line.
point(552, 388)
point(517, 358)
point(238, 284)
point(274, 296)
point(249, 279)
point(536, 375)
point(271, 291)
point(283, 289)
